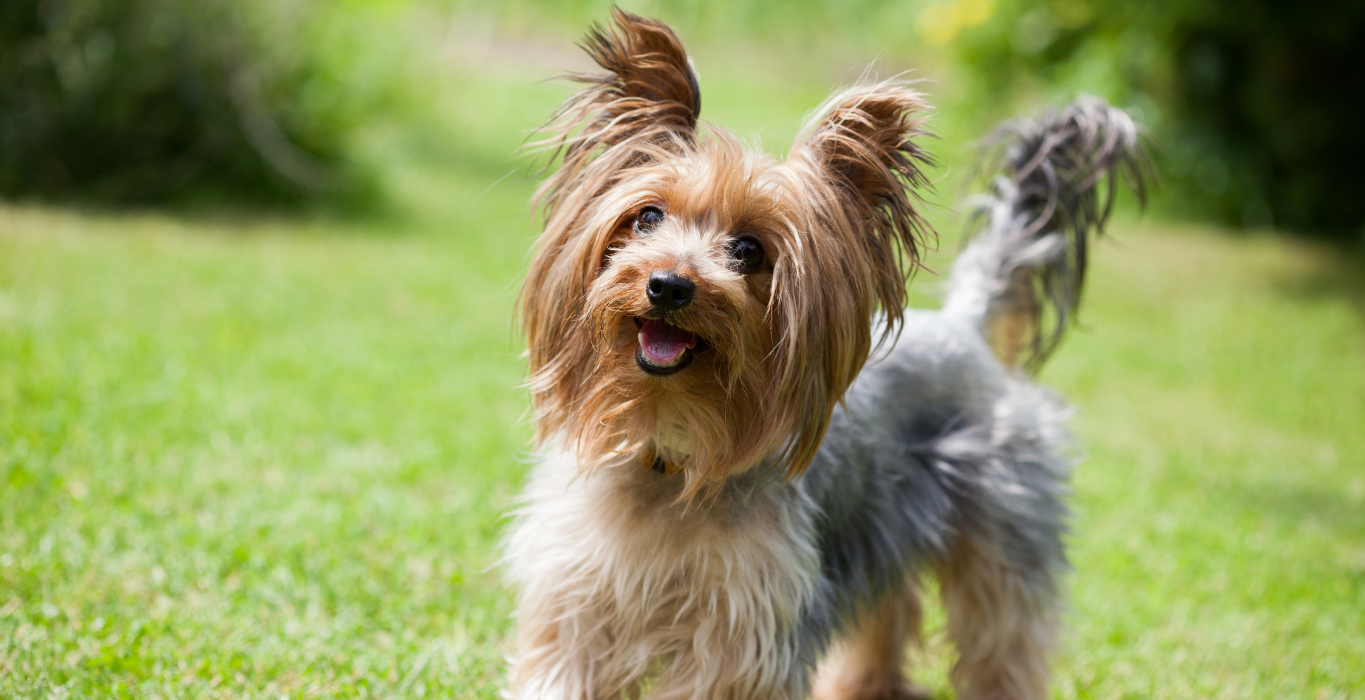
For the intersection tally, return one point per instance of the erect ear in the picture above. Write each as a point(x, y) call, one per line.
point(862, 142)
point(648, 97)
point(650, 83)
point(854, 169)
point(644, 106)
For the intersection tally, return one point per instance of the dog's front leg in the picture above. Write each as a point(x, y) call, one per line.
point(725, 661)
point(565, 651)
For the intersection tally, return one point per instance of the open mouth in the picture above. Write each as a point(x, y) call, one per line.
point(664, 348)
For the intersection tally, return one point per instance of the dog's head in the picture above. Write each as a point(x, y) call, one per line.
point(696, 306)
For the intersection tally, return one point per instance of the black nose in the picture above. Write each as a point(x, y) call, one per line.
point(668, 291)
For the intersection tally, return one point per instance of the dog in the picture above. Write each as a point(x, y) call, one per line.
point(748, 451)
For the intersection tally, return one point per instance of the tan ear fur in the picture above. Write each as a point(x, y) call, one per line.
point(852, 176)
point(649, 94)
point(864, 140)
point(643, 109)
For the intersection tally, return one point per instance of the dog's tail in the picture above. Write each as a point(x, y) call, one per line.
point(1019, 279)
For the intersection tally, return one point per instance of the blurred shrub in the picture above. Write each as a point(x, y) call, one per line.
point(1254, 102)
point(151, 101)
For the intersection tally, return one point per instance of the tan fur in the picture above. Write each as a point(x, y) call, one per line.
point(623, 588)
point(1002, 627)
point(835, 219)
point(869, 662)
point(1012, 323)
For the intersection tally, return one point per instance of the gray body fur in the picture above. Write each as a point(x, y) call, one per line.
point(935, 440)
point(938, 439)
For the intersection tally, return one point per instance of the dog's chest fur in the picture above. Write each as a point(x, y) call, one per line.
point(663, 582)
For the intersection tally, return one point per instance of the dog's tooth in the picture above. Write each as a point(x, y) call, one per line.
point(640, 337)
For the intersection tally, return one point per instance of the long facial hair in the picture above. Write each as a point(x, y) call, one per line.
point(777, 344)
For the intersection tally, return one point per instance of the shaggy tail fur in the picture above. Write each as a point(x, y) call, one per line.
point(1019, 279)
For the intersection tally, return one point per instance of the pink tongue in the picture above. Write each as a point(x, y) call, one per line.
point(664, 344)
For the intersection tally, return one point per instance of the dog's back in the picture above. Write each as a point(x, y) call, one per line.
point(945, 455)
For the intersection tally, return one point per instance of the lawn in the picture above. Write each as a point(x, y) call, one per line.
point(269, 457)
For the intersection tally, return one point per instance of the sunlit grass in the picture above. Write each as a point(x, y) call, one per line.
point(251, 460)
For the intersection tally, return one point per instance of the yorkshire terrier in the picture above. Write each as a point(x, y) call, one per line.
point(749, 450)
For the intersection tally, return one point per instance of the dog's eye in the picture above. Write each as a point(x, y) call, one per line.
point(747, 253)
point(648, 219)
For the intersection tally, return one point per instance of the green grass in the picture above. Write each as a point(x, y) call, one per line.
point(269, 458)
point(263, 461)
point(1220, 537)
point(251, 461)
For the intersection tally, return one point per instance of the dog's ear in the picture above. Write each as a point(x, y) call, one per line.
point(648, 100)
point(650, 83)
point(862, 142)
point(643, 108)
point(854, 172)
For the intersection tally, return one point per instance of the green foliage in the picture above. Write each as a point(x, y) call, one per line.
point(1252, 102)
point(153, 101)
point(800, 22)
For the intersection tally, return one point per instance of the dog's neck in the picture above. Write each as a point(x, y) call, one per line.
point(671, 442)
point(672, 445)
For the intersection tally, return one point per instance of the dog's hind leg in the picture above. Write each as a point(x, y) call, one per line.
point(868, 663)
point(1003, 621)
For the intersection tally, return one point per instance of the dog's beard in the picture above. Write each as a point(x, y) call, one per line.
point(697, 395)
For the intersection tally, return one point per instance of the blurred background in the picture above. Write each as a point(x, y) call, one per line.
point(260, 414)
point(296, 103)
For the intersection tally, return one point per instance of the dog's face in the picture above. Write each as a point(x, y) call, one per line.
point(698, 306)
